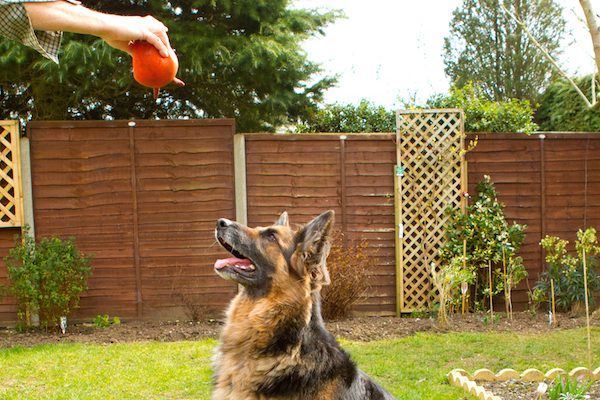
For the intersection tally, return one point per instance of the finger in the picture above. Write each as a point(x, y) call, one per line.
point(158, 28)
point(162, 35)
point(119, 44)
point(156, 41)
point(156, 24)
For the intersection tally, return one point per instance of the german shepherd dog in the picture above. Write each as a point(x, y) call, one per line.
point(274, 344)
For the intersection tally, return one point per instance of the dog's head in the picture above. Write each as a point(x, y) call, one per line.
point(265, 256)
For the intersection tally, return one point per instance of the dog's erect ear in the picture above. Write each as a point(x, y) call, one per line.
point(313, 242)
point(283, 219)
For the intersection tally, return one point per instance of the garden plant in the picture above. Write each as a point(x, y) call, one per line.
point(348, 264)
point(46, 278)
point(488, 246)
point(565, 272)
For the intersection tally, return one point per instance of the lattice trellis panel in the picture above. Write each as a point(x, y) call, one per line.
point(429, 178)
point(11, 202)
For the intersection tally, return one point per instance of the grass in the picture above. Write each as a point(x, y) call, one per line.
point(411, 368)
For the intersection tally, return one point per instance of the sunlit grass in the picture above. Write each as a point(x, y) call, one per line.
point(411, 368)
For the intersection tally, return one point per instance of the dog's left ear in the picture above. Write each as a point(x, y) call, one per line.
point(313, 242)
point(283, 220)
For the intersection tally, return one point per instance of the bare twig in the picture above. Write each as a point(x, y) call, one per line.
point(519, 21)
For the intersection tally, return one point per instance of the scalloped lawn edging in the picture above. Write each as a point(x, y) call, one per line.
point(461, 378)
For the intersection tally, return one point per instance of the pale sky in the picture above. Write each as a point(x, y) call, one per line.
point(386, 50)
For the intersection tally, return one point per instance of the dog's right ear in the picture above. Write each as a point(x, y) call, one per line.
point(283, 220)
point(313, 242)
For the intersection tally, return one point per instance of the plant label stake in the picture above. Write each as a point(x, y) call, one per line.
point(63, 324)
point(464, 286)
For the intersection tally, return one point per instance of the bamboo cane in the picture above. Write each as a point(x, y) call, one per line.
point(491, 301)
point(553, 302)
point(506, 297)
point(587, 309)
point(464, 292)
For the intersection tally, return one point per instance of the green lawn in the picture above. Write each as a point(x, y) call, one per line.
point(412, 368)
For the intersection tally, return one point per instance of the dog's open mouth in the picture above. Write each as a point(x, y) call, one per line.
point(238, 262)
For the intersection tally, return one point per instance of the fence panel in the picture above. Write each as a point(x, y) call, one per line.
point(551, 182)
point(350, 174)
point(142, 197)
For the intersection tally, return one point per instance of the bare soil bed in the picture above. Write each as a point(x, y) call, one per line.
point(358, 328)
point(517, 390)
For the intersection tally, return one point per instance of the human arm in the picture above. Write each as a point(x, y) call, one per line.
point(116, 30)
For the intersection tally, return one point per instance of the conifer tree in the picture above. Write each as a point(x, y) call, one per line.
point(240, 59)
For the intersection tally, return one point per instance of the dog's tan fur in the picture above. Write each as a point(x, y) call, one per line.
point(245, 367)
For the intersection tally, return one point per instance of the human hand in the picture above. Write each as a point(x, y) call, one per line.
point(121, 29)
point(147, 29)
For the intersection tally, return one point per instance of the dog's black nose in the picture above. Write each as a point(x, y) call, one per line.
point(223, 223)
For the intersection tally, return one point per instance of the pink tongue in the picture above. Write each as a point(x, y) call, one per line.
point(220, 264)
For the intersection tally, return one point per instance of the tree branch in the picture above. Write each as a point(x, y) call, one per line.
point(552, 60)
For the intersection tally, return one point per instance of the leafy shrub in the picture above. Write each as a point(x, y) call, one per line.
point(46, 277)
point(447, 281)
point(567, 273)
point(490, 243)
point(484, 115)
point(104, 321)
point(562, 109)
point(348, 266)
point(365, 117)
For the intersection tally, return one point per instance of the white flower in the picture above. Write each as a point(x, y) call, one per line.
point(542, 388)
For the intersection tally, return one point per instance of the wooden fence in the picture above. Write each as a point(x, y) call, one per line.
point(350, 174)
point(143, 197)
point(551, 182)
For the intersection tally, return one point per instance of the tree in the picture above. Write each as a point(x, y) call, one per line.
point(562, 109)
point(238, 59)
point(592, 25)
point(490, 48)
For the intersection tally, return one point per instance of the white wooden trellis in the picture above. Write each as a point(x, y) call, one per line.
point(429, 177)
point(11, 200)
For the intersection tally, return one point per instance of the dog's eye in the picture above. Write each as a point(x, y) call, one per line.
point(270, 236)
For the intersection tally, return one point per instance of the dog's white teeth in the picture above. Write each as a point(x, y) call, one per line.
point(246, 267)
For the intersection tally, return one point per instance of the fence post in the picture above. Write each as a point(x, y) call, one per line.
point(26, 191)
point(136, 234)
point(239, 164)
point(542, 201)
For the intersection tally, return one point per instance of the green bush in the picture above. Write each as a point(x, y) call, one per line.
point(484, 115)
point(104, 321)
point(567, 273)
point(348, 118)
point(46, 277)
point(490, 243)
point(562, 109)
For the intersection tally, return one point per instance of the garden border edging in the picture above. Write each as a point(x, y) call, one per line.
point(461, 378)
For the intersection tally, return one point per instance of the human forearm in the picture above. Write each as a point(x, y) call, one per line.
point(64, 16)
point(117, 30)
